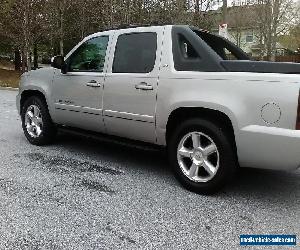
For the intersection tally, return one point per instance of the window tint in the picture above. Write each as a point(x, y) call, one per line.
point(90, 56)
point(135, 53)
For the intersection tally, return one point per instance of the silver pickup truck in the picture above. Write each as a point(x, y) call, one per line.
point(172, 86)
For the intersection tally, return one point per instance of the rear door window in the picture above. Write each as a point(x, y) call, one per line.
point(135, 53)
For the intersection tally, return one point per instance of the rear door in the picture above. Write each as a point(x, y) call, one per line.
point(131, 84)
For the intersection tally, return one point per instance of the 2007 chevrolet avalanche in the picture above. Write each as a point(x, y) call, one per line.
point(173, 86)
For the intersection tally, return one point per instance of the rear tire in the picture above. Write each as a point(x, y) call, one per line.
point(36, 122)
point(202, 156)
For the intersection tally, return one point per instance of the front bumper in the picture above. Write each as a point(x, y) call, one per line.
point(18, 103)
point(269, 148)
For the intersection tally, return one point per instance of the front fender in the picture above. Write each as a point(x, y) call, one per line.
point(40, 81)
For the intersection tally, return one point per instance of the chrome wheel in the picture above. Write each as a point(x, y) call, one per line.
point(198, 157)
point(33, 121)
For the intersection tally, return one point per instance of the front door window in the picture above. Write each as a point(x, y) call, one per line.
point(90, 56)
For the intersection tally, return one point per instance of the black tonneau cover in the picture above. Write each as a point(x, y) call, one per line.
point(261, 66)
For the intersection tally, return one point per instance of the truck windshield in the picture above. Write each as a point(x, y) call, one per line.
point(224, 48)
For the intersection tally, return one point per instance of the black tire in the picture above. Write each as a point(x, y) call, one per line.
point(48, 133)
point(226, 154)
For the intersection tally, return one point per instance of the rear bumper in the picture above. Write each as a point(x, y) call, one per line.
point(269, 148)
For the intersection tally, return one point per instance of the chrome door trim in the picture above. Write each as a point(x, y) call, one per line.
point(74, 108)
point(129, 116)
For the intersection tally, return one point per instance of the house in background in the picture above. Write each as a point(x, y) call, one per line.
point(242, 29)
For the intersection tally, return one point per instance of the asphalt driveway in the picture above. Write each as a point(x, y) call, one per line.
point(94, 194)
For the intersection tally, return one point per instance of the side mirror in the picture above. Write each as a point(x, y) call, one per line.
point(58, 62)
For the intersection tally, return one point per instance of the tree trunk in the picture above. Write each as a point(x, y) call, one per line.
point(61, 24)
point(269, 44)
point(83, 19)
point(28, 56)
point(196, 13)
point(224, 10)
point(18, 62)
point(61, 47)
point(261, 44)
point(24, 60)
point(273, 49)
point(111, 13)
point(27, 36)
point(35, 57)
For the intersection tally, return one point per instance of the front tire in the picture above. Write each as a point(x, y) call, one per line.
point(202, 156)
point(36, 122)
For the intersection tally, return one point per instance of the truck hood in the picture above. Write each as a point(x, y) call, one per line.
point(41, 71)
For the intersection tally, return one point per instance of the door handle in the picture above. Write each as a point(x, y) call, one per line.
point(143, 86)
point(93, 84)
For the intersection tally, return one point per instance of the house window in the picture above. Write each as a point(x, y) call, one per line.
point(249, 37)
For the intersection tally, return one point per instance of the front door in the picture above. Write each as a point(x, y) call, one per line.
point(131, 84)
point(77, 94)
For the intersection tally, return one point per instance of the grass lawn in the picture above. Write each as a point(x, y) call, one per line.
point(9, 78)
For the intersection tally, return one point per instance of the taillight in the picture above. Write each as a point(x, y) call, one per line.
point(298, 114)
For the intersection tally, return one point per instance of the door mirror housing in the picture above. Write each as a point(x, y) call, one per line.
point(58, 62)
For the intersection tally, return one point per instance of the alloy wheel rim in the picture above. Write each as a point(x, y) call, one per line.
point(33, 121)
point(198, 157)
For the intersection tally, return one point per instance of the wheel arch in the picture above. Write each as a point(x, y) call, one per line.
point(29, 93)
point(181, 114)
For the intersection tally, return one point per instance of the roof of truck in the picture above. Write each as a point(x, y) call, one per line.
point(130, 26)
